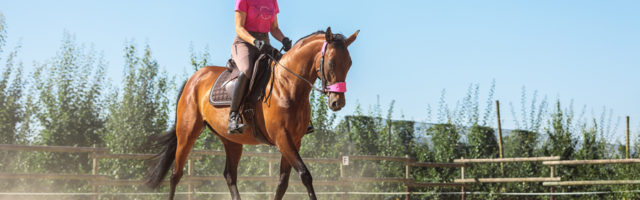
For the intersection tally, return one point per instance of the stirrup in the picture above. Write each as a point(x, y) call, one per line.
point(235, 126)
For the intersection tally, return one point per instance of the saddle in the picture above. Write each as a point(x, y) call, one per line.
point(222, 89)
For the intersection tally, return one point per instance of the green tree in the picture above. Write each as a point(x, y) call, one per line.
point(560, 142)
point(70, 103)
point(523, 143)
point(446, 147)
point(139, 112)
point(12, 110)
point(3, 31)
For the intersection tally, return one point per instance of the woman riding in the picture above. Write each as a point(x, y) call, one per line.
point(254, 19)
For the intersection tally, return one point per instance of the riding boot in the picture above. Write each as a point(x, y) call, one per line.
point(239, 90)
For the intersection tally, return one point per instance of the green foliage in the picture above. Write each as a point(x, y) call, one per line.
point(523, 143)
point(560, 142)
point(136, 114)
point(3, 31)
point(70, 103)
point(12, 109)
point(324, 136)
point(482, 143)
point(141, 110)
point(199, 59)
point(531, 116)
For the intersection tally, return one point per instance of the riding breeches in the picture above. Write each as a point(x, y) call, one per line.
point(245, 54)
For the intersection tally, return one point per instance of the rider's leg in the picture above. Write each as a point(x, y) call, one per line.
point(243, 54)
point(239, 90)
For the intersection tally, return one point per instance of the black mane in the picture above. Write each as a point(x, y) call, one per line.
point(336, 37)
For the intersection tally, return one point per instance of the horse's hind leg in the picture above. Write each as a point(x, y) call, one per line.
point(188, 128)
point(234, 152)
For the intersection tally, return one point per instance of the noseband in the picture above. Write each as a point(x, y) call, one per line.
point(339, 87)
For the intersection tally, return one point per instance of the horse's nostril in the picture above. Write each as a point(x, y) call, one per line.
point(334, 104)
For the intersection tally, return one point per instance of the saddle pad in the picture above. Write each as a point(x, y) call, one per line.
point(220, 94)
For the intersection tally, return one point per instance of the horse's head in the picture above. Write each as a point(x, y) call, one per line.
point(333, 65)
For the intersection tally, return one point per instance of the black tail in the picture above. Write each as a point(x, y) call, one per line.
point(164, 159)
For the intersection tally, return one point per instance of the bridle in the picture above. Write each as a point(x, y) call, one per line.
point(339, 87)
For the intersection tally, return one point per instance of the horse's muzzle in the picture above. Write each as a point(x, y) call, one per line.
point(336, 101)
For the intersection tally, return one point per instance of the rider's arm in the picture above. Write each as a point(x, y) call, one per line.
point(241, 18)
point(275, 30)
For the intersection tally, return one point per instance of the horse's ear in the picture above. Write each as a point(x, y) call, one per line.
point(352, 38)
point(328, 35)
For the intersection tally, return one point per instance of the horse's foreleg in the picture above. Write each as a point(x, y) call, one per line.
point(234, 152)
point(285, 171)
point(289, 151)
point(187, 131)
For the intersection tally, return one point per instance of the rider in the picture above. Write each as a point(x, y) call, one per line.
point(254, 19)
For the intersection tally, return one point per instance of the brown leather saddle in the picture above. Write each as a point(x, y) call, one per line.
point(221, 91)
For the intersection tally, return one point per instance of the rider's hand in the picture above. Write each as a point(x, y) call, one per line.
point(260, 44)
point(286, 43)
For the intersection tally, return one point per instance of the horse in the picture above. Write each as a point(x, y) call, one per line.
point(283, 117)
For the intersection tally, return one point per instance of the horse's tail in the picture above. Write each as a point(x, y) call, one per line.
point(164, 159)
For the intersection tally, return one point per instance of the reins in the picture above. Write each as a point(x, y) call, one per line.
point(295, 74)
point(339, 87)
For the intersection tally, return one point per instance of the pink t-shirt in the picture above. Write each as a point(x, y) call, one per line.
point(260, 14)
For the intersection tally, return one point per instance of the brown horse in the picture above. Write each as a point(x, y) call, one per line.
point(283, 117)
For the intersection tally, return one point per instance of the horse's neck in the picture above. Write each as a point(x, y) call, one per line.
point(300, 61)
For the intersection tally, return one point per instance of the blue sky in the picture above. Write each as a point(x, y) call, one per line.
point(586, 51)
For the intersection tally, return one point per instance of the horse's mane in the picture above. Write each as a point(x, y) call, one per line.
point(336, 37)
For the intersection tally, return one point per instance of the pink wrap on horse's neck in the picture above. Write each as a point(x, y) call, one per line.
point(340, 87)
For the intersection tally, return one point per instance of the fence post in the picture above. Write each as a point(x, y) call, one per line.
point(189, 162)
point(499, 136)
point(462, 176)
point(407, 171)
point(627, 149)
point(94, 172)
point(269, 183)
point(344, 193)
point(552, 174)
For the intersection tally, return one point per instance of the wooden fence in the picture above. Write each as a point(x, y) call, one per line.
point(97, 180)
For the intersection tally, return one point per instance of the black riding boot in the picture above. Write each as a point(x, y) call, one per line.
point(240, 88)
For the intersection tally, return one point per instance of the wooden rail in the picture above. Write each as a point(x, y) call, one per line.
point(65, 149)
point(595, 182)
point(592, 162)
point(503, 160)
point(53, 176)
point(429, 164)
point(506, 180)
